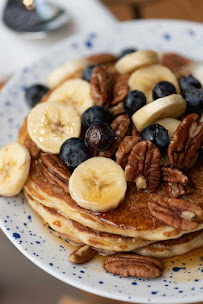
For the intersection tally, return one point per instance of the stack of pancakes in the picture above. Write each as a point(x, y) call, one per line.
point(130, 227)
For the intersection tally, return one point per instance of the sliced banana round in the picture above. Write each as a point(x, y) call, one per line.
point(74, 92)
point(50, 124)
point(98, 184)
point(14, 168)
point(136, 60)
point(169, 124)
point(197, 71)
point(170, 106)
point(55, 77)
point(146, 78)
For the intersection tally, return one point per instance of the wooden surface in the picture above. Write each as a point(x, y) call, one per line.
point(172, 9)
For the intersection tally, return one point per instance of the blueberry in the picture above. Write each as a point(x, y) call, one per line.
point(201, 153)
point(189, 82)
point(126, 52)
point(158, 135)
point(194, 98)
point(73, 152)
point(162, 89)
point(133, 102)
point(99, 137)
point(87, 72)
point(34, 94)
point(94, 115)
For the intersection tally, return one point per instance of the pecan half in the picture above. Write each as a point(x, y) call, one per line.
point(179, 65)
point(177, 189)
point(125, 148)
point(120, 126)
point(112, 71)
point(185, 142)
point(133, 130)
point(54, 171)
point(117, 109)
point(175, 212)
point(83, 254)
point(120, 89)
point(133, 265)
point(102, 58)
point(143, 166)
point(173, 175)
point(101, 86)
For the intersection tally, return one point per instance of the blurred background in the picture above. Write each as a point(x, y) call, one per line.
point(21, 282)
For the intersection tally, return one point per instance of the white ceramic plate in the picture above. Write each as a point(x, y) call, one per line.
point(182, 280)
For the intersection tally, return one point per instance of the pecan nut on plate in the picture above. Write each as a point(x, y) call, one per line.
point(125, 148)
point(83, 254)
point(120, 126)
point(175, 182)
point(120, 89)
point(177, 189)
point(117, 109)
point(54, 171)
point(101, 86)
point(174, 212)
point(179, 65)
point(102, 58)
point(133, 265)
point(143, 166)
point(185, 142)
point(173, 175)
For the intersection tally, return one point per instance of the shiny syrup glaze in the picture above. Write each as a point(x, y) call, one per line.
point(183, 267)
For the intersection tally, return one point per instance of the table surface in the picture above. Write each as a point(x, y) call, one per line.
point(174, 9)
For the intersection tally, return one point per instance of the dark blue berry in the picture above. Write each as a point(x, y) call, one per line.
point(94, 115)
point(162, 89)
point(189, 82)
point(34, 94)
point(201, 153)
point(73, 152)
point(194, 98)
point(133, 102)
point(87, 72)
point(126, 52)
point(99, 137)
point(158, 135)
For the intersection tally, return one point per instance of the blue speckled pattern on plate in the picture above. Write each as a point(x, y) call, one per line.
point(182, 280)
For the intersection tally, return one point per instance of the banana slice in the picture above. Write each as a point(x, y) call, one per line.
point(146, 78)
point(169, 124)
point(98, 184)
point(50, 124)
point(14, 168)
point(197, 71)
point(62, 72)
point(74, 92)
point(170, 106)
point(136, 60)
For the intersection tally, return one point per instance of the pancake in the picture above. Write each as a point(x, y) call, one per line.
point(109, 243)
point(132, 218)
point(170, 248)
point(79, 234)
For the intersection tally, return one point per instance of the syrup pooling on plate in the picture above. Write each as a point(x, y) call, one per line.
point(93, 200)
